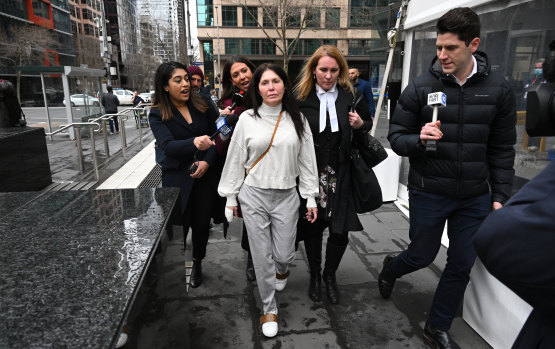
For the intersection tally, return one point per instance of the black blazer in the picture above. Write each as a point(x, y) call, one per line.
point(175, 137)
point(344, 214)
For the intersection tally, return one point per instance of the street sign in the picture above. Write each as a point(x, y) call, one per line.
point(197, 63)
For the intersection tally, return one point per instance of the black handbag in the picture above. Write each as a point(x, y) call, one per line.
point(371, 150)
point(367, 193)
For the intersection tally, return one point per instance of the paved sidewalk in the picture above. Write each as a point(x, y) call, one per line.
point(224, 311)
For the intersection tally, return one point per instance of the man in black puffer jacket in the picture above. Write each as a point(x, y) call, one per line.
point(471, 171)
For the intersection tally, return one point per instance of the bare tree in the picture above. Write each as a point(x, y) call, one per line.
point(141, 68)
point(87, 51)
point(283, 21)
point(23, 44)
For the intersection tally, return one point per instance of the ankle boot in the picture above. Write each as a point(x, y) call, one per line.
point(315, 287)
point(196, 273)
point(334, 254)
point(251, 275)
point(313, 247)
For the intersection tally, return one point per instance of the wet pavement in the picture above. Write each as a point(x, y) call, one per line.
point(224, 311)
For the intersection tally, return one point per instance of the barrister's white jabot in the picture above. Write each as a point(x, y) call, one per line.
point(327, 103)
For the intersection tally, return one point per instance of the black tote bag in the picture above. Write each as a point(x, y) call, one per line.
point(367, 193)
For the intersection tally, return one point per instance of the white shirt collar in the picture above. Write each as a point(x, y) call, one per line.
point(474, 71)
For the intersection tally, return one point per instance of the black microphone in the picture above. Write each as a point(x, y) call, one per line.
point(236, 99)
point(225, 125)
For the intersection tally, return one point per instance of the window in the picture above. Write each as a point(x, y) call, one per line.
point(250, 46)
point(332, 18)
point(293, 18)
point(14, 8)
point(229, 16)
point(270, 14)
point(268, 47)
point(41, 9)
point(312, 18)
point(205, 13)
point(250, 17)
point(310, 45)
point(297, 51)
point(363, 47)
point(232, 46)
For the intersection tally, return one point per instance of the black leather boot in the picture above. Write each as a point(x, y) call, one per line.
point(334, 254)
point(313, 248)
point(196, 273)
point(251, 275)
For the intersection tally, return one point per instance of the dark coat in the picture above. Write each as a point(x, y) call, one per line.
point(478, 127)
point(516, 245)
point(344, 217)
point(175, 137)
point(110, 103)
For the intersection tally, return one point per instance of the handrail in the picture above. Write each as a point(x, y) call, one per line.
point(95, 128)
point(65, 127)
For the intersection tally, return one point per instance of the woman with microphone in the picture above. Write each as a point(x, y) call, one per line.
point(236, 79)
point(325, 97)
point(272, 144)
point(182, 123)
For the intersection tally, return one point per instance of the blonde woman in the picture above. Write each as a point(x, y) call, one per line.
point(326, 97)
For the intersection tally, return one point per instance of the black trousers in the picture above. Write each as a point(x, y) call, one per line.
point(197, 215)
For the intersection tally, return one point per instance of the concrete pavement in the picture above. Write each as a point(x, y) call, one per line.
point(224, 311)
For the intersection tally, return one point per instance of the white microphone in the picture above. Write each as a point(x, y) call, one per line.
point(436, 100)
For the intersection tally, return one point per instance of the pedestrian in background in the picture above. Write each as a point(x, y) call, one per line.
point(181, 122)
point(469, 174)
point(272, 144)
point(110, 103)
point(197, 81)
point(364, 87)
point(137, 101)
point(236, 78)
point(325, 96)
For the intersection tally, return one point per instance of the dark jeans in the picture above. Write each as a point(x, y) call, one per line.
point(428, 213)
point(197, 215)
point(114, 120)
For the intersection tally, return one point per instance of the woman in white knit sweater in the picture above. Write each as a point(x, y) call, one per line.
point(271, 146)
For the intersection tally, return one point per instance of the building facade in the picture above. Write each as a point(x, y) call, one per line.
point(34, 33)
point(248, 27)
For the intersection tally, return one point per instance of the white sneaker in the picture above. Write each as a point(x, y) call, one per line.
point(121, 340)
point(269, 325)
point(281, 280)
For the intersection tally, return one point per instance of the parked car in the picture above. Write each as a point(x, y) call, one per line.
point(79, 99)
point(124, 96)
point(146, 96)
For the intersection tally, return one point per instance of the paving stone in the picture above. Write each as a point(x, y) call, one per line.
point(320, 339)
point(376, 238)
point(217, 322)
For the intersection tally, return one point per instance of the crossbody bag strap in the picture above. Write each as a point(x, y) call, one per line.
point(266, 151)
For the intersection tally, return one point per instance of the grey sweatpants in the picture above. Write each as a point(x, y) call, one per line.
point(271, 219)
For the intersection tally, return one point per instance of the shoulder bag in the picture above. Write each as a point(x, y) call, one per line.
point(367, 193)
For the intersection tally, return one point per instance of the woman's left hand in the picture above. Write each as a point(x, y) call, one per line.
point(201, 170)
point(312, 214)
point(355, 121)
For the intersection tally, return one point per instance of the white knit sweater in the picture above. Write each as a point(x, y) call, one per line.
point(288, 157)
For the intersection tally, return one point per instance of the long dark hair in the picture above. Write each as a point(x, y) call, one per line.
point(162, 98)
point(228, 88)
point(288, 102)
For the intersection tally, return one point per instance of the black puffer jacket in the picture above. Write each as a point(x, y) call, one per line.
point(478, 125)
